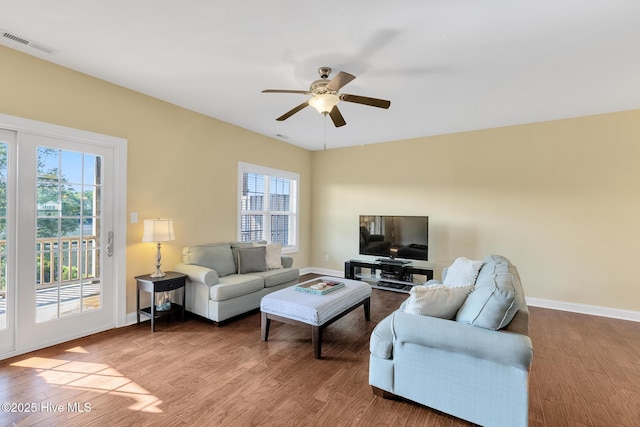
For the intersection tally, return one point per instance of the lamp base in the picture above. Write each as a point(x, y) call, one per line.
point(157, 273)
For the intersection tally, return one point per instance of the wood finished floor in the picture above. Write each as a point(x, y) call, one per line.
point(586, 372)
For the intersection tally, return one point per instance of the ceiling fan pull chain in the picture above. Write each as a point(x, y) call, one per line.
point(325, 132)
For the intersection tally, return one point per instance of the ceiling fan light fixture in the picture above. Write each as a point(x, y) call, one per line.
point(325, 97)
point(324, 103)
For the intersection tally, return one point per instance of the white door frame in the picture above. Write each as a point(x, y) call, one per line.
point(119, 147)
point(8, 335)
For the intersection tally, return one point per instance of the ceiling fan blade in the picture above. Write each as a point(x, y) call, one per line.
point(290, 113)
point(304, 92)
point(336, 117)
point(340, 80)
point(374, 102)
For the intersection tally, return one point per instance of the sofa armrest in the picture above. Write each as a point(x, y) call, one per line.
point(198, 273)
point(507, 348)
point(287, 261)
point(381, 341)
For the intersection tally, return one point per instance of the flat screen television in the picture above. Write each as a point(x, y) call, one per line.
point(404, 237)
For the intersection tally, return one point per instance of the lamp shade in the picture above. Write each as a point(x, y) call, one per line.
point(158, 230)
point(324, 103)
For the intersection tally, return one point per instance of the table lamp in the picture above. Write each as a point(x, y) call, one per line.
point(158, 231)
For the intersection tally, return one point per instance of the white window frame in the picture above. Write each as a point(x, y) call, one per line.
point(267, 212)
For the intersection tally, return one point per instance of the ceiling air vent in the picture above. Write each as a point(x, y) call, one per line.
point(6, 35)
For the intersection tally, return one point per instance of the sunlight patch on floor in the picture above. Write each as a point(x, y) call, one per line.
point(95, 377)
point(77, 350)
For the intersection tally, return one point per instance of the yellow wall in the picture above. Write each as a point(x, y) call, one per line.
point(181, 165)
point(560, 199)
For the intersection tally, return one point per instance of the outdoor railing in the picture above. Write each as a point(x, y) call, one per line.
point(60, 260)
point(68, 256)
point(60, 290)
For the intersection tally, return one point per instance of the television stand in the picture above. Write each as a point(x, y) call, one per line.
point(392, 261)
point(396, 277)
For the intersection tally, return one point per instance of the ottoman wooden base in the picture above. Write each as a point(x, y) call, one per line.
point(316, 331)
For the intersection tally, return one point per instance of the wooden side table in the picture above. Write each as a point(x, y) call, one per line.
point(170, 282)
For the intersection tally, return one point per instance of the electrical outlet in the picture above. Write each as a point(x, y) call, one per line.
point(134, 217)
point(326, 257)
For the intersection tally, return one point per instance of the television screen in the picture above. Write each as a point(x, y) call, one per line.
point(405, 237)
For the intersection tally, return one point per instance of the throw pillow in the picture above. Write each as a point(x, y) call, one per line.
point(236, 246)
point(252, 260)
point(462, 272)
point(274, 255)
point(436, 300)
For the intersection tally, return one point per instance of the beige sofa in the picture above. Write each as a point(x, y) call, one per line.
point(230, 278)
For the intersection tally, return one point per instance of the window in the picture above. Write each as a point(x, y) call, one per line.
point(268, 205)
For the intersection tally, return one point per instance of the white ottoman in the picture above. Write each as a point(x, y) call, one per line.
point(291, 306)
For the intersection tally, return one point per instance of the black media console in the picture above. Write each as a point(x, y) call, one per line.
point(395, 276)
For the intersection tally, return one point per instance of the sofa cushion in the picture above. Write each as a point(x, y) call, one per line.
point(496, 298)
point(252, 259)
point(436, 300)
point(217, 257)
point(278, 276)
point(462, 272)
point(235, 285)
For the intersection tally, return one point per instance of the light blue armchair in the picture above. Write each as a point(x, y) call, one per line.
point(475, 367)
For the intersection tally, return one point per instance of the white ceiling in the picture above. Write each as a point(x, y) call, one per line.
point(446, 65)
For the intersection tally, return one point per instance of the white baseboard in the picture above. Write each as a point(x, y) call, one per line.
point(323, 271)
point(594, 310)
point(615, 313)
point(132, 319)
